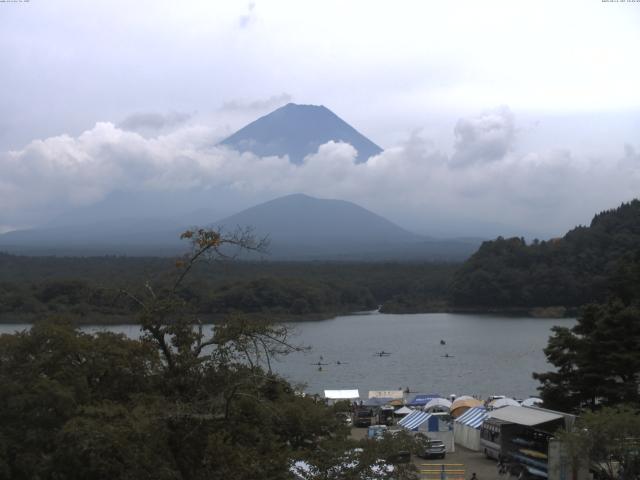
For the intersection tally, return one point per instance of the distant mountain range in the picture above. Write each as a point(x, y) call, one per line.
point(303, 227)
point(299, 228)
point(298, 131)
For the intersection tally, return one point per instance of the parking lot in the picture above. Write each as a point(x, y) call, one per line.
point(460, 464)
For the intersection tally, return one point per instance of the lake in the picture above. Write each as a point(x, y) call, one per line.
point(488, 354)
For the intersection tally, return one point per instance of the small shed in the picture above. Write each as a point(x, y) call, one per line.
point(387, 394)
point(466, 428)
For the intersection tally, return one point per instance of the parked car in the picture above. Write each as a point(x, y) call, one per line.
point(434, 449)
point(403, 456)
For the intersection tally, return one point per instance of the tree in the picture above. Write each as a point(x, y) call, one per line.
point(610, 439)
point(179, 403)
point(597, 361)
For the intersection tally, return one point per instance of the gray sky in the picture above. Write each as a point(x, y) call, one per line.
point(524, 113)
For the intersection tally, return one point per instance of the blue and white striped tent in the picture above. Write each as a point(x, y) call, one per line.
point(415, 419)
point(473, 417)
point(466, 428)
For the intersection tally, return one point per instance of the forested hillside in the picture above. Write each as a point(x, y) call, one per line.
point(89, 289)
point(570, 271)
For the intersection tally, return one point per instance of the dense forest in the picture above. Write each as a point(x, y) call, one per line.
point(504, 274)
point(570, 271)
point(90, 288)
point(177, 403)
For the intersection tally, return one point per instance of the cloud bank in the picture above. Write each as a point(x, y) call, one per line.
point(142, 122)
point(270, 103)
point(482, 180)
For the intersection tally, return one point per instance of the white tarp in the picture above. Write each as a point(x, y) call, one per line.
point(466, 436)
point(403, 411)
point(342, 394)
point(528, 416)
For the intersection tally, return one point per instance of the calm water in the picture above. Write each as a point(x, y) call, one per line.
point(489, 354)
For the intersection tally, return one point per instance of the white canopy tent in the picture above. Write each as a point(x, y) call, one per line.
point(437, 405)
point(463, 397)
point(503, 402)
point(335, 395)
point(532, 401)
point(403, 411)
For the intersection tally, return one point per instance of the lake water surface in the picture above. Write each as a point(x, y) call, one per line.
point(488, 354)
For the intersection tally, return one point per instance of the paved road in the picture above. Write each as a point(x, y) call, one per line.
point(462, 464)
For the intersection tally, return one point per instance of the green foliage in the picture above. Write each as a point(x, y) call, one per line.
point(48, 374)
point(569, 271)
point(366, 459)
point(89, 289)
point(610, 439)
point(180, 403)
point(597, 361)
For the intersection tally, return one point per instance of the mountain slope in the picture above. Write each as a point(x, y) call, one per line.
point(299, 227)
point(569, 271)
point(304, 223)
point(132, 236)
point(297, 131)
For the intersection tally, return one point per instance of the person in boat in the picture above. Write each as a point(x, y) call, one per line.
point(442, 342)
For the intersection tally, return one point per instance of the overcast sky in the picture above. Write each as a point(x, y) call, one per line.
point(524, 113)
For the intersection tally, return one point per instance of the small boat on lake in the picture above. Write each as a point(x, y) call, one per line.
point(382, 353)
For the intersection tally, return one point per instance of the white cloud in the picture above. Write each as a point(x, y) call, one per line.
point(483, 180)
point(142, 122)
point(272, 102)
point(485, 138)
point(245, 20)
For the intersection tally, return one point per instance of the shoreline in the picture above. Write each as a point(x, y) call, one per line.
point(118, 319)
